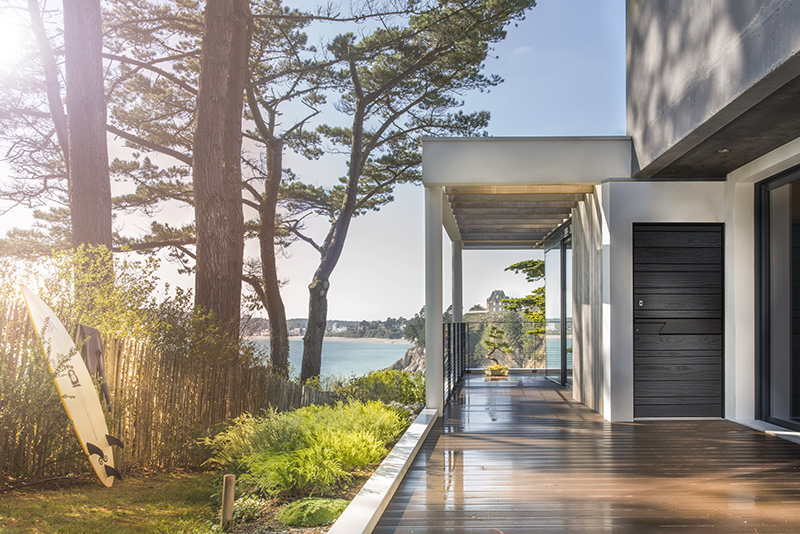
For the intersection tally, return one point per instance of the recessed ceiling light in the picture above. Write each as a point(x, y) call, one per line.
point(723, 150)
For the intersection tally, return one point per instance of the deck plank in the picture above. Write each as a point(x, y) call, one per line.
point(519, 456)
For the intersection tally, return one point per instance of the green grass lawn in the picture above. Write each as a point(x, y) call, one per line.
point(163, 503)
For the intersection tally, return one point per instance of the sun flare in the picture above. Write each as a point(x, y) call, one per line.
point(12, 45)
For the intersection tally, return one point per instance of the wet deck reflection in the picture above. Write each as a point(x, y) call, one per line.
point(520, 456)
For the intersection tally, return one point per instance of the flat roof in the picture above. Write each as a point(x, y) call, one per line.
point(511, 192)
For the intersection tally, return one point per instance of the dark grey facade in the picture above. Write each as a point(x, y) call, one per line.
point(711, 84)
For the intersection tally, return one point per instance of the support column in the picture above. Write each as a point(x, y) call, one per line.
point(434, 350)
point(458, 284)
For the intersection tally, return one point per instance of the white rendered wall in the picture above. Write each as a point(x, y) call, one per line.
point(739, 300)
point(434, 350)
point(740, 277)
point(626, 202)
point(587, 317)
point(523, 160)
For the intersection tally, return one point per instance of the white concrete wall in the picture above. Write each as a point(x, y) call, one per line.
point(740, 277)
point(587, 326)
point(434, 337)
point(626, 202)
point(523, 160)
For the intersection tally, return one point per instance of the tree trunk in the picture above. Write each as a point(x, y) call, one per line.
point(331, 252)
point(315, 331)
point(216, 166)
point(89, 187)
point(278, 331)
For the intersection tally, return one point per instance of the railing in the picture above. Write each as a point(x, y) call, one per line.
point(455, 357)
point(525, 339)
point(534, 347)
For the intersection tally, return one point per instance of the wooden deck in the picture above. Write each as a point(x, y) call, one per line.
point(521, 457)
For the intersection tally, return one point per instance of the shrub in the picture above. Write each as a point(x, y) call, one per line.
point(353, 449)
point(35, 433)
point(312, 511)
point(386, 385)
point(309, 451)
point(247, 509)
point(233, 445)
point(308, 471)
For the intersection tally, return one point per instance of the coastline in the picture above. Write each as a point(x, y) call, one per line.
point(339, 338)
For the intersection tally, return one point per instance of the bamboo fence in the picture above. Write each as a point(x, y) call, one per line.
point(161, 404)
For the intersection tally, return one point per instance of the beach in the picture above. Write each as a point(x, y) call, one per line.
point(353, 339)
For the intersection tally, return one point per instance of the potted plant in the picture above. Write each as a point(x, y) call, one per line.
point(494, 342)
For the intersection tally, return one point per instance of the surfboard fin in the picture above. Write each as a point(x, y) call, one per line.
point(110, 471)
point(94, 449)
point(114, 441)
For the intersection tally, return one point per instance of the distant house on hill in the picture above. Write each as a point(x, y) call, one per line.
point(495, 301)
point(336, 328)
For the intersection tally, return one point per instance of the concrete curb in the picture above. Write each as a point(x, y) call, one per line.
point(363, 513)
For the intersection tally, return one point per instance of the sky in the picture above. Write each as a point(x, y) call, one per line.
point(564, 72)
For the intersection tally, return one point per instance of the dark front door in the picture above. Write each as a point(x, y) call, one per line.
point(677, 319)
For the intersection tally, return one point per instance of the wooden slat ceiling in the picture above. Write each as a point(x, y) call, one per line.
point(511, 216)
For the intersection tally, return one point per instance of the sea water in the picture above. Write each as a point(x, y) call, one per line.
point(343, 358)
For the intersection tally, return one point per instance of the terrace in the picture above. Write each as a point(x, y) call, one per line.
point(520, 456)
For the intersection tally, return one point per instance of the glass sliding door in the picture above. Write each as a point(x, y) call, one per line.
point(558, 306)
point(779, 346)
point(552, 304)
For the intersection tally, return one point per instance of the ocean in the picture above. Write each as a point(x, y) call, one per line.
point(343, 357)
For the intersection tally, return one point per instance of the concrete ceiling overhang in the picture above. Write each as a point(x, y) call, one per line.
point(510, 217)
point(510, 193)
point(761, 119)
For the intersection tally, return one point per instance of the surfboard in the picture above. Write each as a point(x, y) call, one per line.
point(76, 389)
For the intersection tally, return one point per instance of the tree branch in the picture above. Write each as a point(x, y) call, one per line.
point(253, 191)
point(148, 144)
point(150, 245)
point(149, 66)
point(336, 18)
point(261, 124)
point(357, 89)
point(186, 251)
point(51, 80)
point(300, 123)
point(376, 138)
point(293, 229)
point(257, 287)
point(250, 204)
point(375, 190)
point(161, 20)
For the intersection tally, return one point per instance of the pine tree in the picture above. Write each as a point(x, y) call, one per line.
point(532, 305)
point(398, 83)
